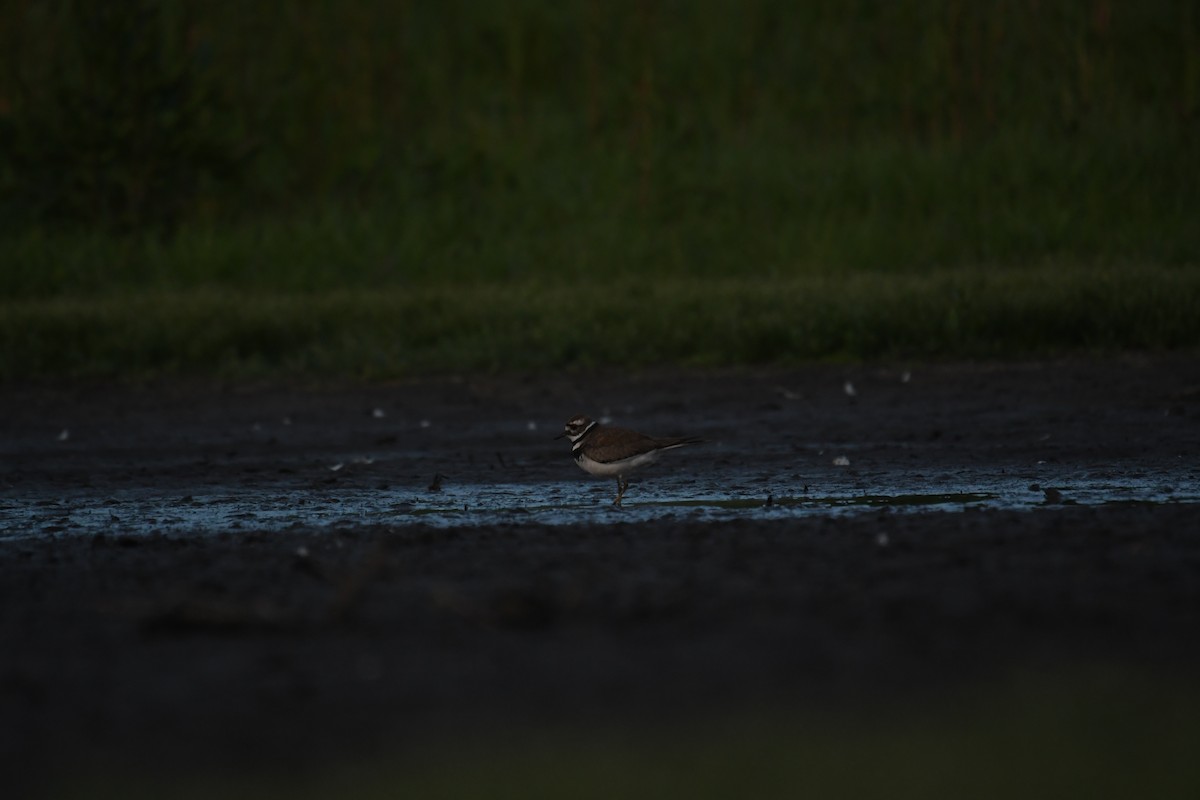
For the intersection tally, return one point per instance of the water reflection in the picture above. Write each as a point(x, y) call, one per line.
point(141, 511)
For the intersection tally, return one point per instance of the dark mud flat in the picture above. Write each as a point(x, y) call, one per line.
point(138, 648)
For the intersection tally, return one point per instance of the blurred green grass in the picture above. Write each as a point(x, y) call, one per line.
point(1096, 733)
point(231, 188)
point(393, 332)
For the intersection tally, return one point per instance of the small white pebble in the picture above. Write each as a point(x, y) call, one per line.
point(841, 461)
point(425, 423)
point(66, 434)
point(905, 376)
point(379, 413)
point(882, 540)
point(849, 389)
point(336, 467)
point(286, 421)
point(531, 426)
point(302, 551)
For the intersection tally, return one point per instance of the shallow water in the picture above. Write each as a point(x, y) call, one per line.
point(140, 511)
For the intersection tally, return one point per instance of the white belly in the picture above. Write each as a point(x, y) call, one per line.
point(622, 467)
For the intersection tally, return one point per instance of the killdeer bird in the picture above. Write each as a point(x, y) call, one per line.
point(611, 451)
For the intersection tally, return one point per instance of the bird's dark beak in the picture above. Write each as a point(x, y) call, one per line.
point(560, 436)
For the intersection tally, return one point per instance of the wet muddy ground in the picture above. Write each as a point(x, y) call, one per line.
point(199, 576)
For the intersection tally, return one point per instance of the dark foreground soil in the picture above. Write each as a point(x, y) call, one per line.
point(277, 650)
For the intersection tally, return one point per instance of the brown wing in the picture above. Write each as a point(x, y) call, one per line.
point(611, 444)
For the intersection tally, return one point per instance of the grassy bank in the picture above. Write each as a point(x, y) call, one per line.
point(763, 210)
point(371, 189)
point(437, 329)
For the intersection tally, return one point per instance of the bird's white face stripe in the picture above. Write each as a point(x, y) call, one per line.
point(573, 432)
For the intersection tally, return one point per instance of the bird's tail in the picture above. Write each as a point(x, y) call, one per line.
point(667, 444)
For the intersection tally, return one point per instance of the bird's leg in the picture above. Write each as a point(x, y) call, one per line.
point(622, 485)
